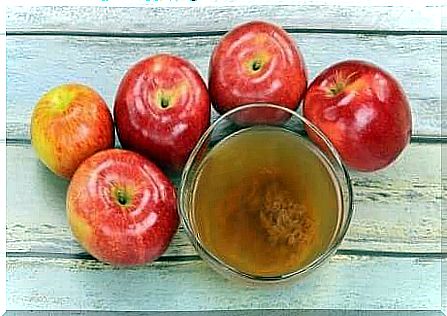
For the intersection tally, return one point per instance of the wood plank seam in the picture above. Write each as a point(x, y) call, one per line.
point(308, 15)
point(415, 139)
point(348, 252)
point(31, 53)
point(219, 33)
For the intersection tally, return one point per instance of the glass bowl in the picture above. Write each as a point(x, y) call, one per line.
point(235, 121)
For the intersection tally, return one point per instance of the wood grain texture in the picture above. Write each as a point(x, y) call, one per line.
point(151, 20)
point(345, 282)
point(253, 312)
point(398, 209)
point(38, 63)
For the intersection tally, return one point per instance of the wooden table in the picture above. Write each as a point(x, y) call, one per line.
point(392, 256)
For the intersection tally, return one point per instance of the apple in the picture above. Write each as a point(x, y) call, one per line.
point(122, 208)
point(70, 123)
point(161, 109)
point(257, 62)
point(363, 111)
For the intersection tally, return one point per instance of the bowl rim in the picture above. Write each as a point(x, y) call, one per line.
point(207, 255)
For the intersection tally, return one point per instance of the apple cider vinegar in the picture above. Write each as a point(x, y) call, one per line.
point(265, 201)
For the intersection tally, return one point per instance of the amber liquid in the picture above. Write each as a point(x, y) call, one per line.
point(265, 202)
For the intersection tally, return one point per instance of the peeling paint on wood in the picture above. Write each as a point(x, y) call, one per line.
point(37, 63)
point(152, 20)
point(398, 209)
point(346, 282)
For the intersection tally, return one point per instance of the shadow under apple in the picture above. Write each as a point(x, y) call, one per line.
point(51, 187)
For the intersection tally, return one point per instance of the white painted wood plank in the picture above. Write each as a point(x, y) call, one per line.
point(424, 17)
point(37, 63)
point(253, 312)
point(345, 282)
point(398, 209)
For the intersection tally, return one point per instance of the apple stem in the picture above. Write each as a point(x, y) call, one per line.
point(122, 199)
point(164, 102)
point(337, 88)
point(256, 65)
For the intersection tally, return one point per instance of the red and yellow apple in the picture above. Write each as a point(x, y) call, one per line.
point(70, 123)
point(256, 62)
point(161, 109)
point(363, 111)
point(122, 208)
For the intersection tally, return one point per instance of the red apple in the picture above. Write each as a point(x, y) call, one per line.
point(161, 109)
point(363, 111)
point(256, 62)
point(122, 208)
point(70, 123)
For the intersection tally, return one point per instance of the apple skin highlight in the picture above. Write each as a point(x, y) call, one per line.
point(121, 208)
point(70, 123)
point(363, 111)
point(256, 62)
point(161, 109)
